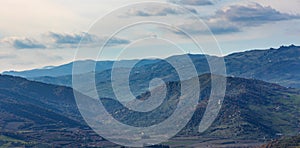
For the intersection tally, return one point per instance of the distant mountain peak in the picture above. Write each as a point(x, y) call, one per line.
point(290, 46)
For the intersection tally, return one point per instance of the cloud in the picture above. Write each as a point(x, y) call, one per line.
point(222, 27)
point(193, 2)
point(23, 43)
point(7, 56)
point(154, 11)
point(52, 40)
point(252, 15)
point(216, 28)
point(71, 38)
point(62, 40)
point(235, 18)
point(117, 41)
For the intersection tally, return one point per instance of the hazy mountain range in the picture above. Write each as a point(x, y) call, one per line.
point(280, 66)
point(66, 69)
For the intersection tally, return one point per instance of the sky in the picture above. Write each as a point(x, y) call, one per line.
point(39, 33)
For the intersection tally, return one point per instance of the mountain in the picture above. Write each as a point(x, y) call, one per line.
point(66, 69)
point(36, 114)
point(278, 66)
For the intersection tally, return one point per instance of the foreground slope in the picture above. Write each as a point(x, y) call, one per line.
point(37, 114)
point(252, 109)
point(286, 142)
point(256, 109)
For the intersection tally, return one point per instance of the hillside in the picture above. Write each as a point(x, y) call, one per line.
point(252, 109)
point(36, 113)
point(286, 142)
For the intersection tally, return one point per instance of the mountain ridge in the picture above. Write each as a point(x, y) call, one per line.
point(273, 65)
point(66, 69)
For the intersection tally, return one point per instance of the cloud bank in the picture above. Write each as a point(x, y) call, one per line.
point(22, 43)
point(86, 39)
point(54, 40)
point(252, 15)
point(161, 11)
point(193, 2)
point(235, 18)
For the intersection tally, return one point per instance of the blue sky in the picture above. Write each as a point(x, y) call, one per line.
point(38, 33)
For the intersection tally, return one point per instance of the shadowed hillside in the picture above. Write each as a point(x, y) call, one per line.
point(35, 113)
